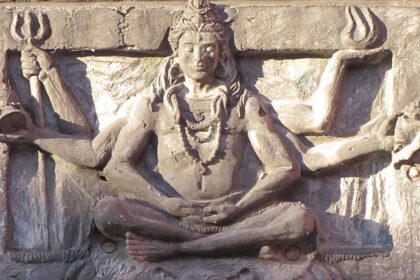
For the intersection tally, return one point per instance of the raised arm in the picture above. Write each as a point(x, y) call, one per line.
point(71, 119)
point(73, 143)
point(315, 114)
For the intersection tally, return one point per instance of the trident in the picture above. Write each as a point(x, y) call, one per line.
point(33, 29)
point(23, 32)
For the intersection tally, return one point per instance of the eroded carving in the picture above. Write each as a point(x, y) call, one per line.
point(406, 153)
point(199, 119)
point(362, 30)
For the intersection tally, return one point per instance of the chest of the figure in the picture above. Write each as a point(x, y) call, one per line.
point(199, 128)
point(199, 137)
point(201, 147)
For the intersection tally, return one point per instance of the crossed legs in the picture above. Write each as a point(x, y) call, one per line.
point(151, 234)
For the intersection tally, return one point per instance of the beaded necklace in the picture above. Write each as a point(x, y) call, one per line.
point(187, 129)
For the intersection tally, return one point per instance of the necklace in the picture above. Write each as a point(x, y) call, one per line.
point(189, 129)
point(199, 109)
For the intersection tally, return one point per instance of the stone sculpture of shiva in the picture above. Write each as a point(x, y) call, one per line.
point(200, 119)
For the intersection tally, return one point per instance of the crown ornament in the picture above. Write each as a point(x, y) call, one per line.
point(200, 12)
point(198, 4)
point(199, 16)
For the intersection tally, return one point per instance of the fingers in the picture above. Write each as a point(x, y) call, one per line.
point(220, 213)
point(214, 219)
point(211, 210)
point(193, 219)
point(21, 136)
point(30, 48)
point(217, 209)
point(10, 138)
point(34, 59)
point(186, 211)
point(185, 207)
point(30, 65)
point(199, 204)
point(186, 203)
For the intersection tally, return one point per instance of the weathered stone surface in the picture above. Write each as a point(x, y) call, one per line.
point(108, 54)
point(262, 28)
point(143, 32)
point(4, 216)
point(282, 29)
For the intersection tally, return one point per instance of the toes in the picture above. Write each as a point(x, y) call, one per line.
point(134, 248)
point(146, 255)
point(141, 249)
point(140, 258)
point(130, 242)
point(131, 236)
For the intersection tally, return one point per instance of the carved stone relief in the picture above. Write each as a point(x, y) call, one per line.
point(204, 141)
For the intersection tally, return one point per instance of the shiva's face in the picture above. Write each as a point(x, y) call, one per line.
point(198, 55)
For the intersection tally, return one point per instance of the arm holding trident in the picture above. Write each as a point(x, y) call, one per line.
point(30, 30)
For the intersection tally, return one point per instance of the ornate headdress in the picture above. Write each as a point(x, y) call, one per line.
point(200, 16)
point(200, 13)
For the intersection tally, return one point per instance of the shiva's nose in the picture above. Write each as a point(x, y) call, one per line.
point(198, 56)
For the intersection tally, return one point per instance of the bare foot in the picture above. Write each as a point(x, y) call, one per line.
point(142, 249)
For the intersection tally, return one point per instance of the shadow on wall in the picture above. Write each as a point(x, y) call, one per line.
point(351, 208)
point(66, 227)
point(351, 227)
point(76, 80)
point(349, 201)
point(363, 87)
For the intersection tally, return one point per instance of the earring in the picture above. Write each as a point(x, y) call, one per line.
point(221, 71)
point(175, 74)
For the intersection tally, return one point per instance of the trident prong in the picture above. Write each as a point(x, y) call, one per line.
point(44, 29)
point(14, 29)
point(22, 28)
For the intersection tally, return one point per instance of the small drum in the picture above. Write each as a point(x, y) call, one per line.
point(12, 119)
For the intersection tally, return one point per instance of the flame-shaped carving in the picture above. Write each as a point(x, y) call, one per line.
point(362, 30)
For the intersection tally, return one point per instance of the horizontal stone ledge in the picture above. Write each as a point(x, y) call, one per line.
point(380, 3)
point(144, 28)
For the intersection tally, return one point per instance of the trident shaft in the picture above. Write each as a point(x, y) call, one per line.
point(32, 29)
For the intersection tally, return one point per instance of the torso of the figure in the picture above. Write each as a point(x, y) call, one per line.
point(200, 152)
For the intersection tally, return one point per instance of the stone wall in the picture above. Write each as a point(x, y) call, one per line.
point(108, 54)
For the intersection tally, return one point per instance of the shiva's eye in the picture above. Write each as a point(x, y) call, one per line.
point(210, 49)
point(188, 48)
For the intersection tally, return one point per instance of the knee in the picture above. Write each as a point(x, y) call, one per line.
point(309, 222)
point(295, 220)
point(303, 220)
point(106, 213)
